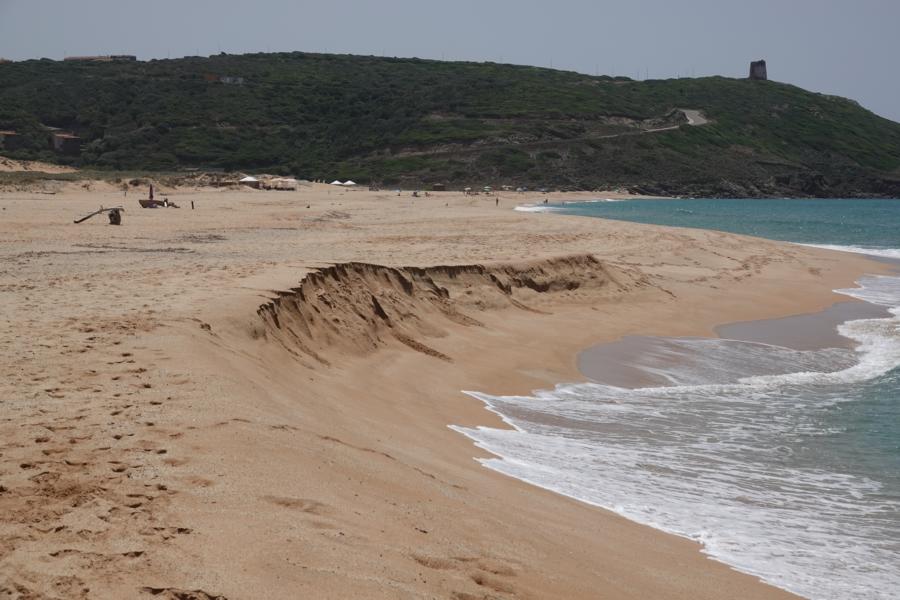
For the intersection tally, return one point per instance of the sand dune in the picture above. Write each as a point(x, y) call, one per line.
point(10, 165)
point(251, 399)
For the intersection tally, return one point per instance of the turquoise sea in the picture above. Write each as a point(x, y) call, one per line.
point(859, 225)
point(784, 463)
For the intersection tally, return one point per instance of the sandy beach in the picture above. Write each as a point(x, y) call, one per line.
point(251, 399)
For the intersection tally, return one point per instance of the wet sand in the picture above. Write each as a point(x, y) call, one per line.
point(614, 363)
point(804, 332)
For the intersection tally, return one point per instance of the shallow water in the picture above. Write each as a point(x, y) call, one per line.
point(783, 461)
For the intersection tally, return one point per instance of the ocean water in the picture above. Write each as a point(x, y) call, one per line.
point(784, 463)
point(869, 226)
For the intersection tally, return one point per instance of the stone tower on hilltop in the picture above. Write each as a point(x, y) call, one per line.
point(758, 70)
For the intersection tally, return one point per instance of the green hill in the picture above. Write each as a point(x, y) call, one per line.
point(414, 122)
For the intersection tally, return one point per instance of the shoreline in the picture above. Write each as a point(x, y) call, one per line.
point(232, 407)
point(791, 332)
point(609, 362)
point(516, 382)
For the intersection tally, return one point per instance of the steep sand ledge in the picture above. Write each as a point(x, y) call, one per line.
point(355, 307)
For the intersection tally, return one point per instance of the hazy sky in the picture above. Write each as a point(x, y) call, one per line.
point(845, 47)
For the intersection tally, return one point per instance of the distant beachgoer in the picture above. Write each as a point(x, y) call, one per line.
point(497, 203)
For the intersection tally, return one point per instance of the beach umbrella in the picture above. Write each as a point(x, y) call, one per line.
point(349, 183)
point(337, 182)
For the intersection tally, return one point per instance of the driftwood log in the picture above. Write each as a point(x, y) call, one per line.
point(114, 214)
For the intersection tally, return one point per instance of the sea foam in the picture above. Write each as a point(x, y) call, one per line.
point(537, 208)
point(559, 207)
point(870, 250)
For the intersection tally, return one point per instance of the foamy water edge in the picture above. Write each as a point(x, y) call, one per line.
point(878, 353)
point(561, 206)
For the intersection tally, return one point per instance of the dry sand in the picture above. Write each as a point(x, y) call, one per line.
point(160, 432)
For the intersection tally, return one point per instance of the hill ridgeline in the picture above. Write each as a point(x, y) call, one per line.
point(413, 122)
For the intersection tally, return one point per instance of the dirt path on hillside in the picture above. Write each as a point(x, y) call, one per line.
point(695, 118)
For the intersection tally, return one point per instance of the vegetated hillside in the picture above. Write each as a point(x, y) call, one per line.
point(409, 121)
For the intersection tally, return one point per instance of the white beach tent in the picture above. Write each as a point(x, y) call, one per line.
point(337, 182)
point(349, 183)
point(250, 181)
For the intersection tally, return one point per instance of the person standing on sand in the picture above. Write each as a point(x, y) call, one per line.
point(497, 203)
